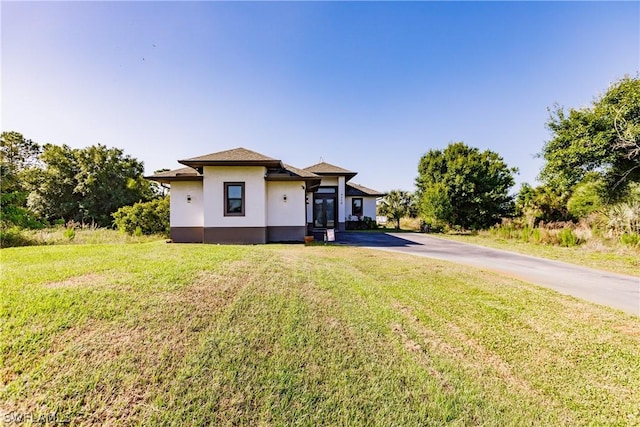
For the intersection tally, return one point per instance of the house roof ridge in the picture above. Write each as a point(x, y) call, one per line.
point(325, 168)
point(239, 156)
point(233, 154)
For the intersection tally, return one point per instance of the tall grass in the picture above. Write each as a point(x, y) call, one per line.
point(12, 237)
point(565, 234)
point(615, 225)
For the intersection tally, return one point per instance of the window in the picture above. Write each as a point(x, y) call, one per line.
point(356, 206)
point(234, 199)
point(327, 190)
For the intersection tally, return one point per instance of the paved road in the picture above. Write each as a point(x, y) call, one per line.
point(614, 290)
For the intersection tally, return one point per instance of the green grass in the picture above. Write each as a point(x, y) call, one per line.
point(172, 334)
point(63, 236)
point(623, 260)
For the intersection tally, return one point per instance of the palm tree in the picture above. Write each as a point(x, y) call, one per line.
point(395, 205)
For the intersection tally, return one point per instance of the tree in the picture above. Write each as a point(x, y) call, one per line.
point(16, 152)
point(395, 206)
point(158, 188)
point(87, 185)
point(435, 206)
point(603, 139)
point(541, 204)
point(145, 217)
point(586, 198)
point(471, 186)
point(18, 159)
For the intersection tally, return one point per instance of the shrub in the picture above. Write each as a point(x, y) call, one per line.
point(12, 214)
point(623, 218)
point(431, 227)
point(536, 236)
point(568, 238)
point(525, 233)
point(70, 233)
point(631, 239)
point(144, 217)
point(13, 236)
point(585, 199)
point(505, 231)
point(362, 223)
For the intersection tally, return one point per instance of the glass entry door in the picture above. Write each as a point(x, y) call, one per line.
point(325, 208)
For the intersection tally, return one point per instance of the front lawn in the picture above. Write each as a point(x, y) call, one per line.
point(156, 333)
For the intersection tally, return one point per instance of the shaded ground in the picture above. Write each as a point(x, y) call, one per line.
point(614, 290)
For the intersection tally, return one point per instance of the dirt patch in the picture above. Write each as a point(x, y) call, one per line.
point(408, 343)
point(90, 279)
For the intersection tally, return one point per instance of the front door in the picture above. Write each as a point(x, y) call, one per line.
point(325, 207)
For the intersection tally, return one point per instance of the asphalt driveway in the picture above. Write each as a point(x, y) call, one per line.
point(614, 290)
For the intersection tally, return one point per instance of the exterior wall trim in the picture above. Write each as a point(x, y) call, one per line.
point(235, 235)
point(285, 233)
point(187, 234)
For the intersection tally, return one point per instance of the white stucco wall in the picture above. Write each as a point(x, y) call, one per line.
point(342, 210)
point(183, 212)
point(329, 181)
point(255, 196)
point(368, 207)
point(291, 212)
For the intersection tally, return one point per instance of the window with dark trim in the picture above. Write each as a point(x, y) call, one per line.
point(356, 206)
point(234, 199)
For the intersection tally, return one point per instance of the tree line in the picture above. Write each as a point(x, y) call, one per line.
point(591, 165)
point(48, 184)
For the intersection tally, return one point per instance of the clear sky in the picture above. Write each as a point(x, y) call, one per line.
point(367, 86)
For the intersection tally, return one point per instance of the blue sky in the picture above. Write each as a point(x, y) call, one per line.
point(367, 86)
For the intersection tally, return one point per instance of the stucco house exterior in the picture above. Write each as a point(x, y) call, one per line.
point(240, 196)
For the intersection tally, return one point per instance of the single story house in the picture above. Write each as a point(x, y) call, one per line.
point(240, 196)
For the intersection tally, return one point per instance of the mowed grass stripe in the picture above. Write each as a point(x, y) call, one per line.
point(292, 335)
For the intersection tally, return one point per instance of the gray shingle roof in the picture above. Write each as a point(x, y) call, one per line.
point(301, 172)
point(182, 174)
point(237, 156)
point(325, 168)
point(360, 190)
point(290, 173)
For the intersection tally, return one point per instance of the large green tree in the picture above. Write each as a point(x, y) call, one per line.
point(463, 186)
point(87, 185)
point(18, 159)
point(602, 139)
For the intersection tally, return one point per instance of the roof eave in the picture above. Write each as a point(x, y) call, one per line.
point(347, 175)
point(168, 179)
point(274, 177)
point(310, 182)
point(313, 184)
point(201, 163)
point(363, 194)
